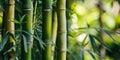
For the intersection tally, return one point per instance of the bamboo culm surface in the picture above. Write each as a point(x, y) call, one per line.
point(8, 25)
point(27, 8)
point(47, 28)
point(62, 30)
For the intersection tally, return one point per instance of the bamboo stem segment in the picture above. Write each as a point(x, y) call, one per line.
point(54, 32)
point(27, 26)
point(8, 24)
point(46, 30)
point(62, 30)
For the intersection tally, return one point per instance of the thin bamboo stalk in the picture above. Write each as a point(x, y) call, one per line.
point(35, 11)
point(34, 15)
point(46, 28)
point(54, 32)
point(62, 30)
point(27, 26)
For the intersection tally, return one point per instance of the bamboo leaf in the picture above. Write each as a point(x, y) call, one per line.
point(91, 54)
point(18, 8)
point(27, 32)
point(16, 21)
point(93, 43)
point(101, 42)
point(24, 43)
point(69, 52)
point(12, 35)
point(83, 42)
point(82, 54)
point(108, 34)
point(4, 41)
point(41, 43)
point(22, 18)
point(9, 50)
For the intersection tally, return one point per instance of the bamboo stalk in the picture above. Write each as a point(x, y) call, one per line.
point(8, 24)
point(46, 30)
point(62, 30)
point(27, 26)
point(54, 32)
point(101, 10)
point(35, 11)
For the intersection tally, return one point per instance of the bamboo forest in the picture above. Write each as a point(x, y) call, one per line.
point(59, 29)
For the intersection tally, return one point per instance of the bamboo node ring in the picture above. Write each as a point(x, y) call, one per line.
point(62, 50)
point(48, 42)
point(61, 8)
point(29, 43)
point(47, 9)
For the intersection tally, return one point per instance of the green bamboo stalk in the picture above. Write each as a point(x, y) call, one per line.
point(35, 11)
point(62, 30)
point(8, 24)
point(46, 28)
point(54, 32)
point(27, 26)
point(34, 14)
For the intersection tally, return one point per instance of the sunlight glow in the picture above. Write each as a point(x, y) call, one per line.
point(79, 9)
point(81, 37)
point(74, 21)
point(110, 21)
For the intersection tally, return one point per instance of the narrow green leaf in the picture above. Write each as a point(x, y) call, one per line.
point(22, 18)
point(24, 43)
point(18, 8)
point(82, 54)
point(16, 21)
point(27, 32)
point(37, 38)
point(101, 42)
point(108, 34)
point(91, 54)
point(13, 36)
point(4, 41)
point(41, 43)
point(93, 43)
point(9, 50)
point(83, 42)
point(69, 52)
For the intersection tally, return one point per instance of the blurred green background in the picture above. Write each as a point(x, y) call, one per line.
point(86, 13)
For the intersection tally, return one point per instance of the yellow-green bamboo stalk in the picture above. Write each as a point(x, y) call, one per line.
point(27, 26)
point(46, 28)
point(62, 30)
point(34, 15)
point(8, 24)
point(54, 31)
